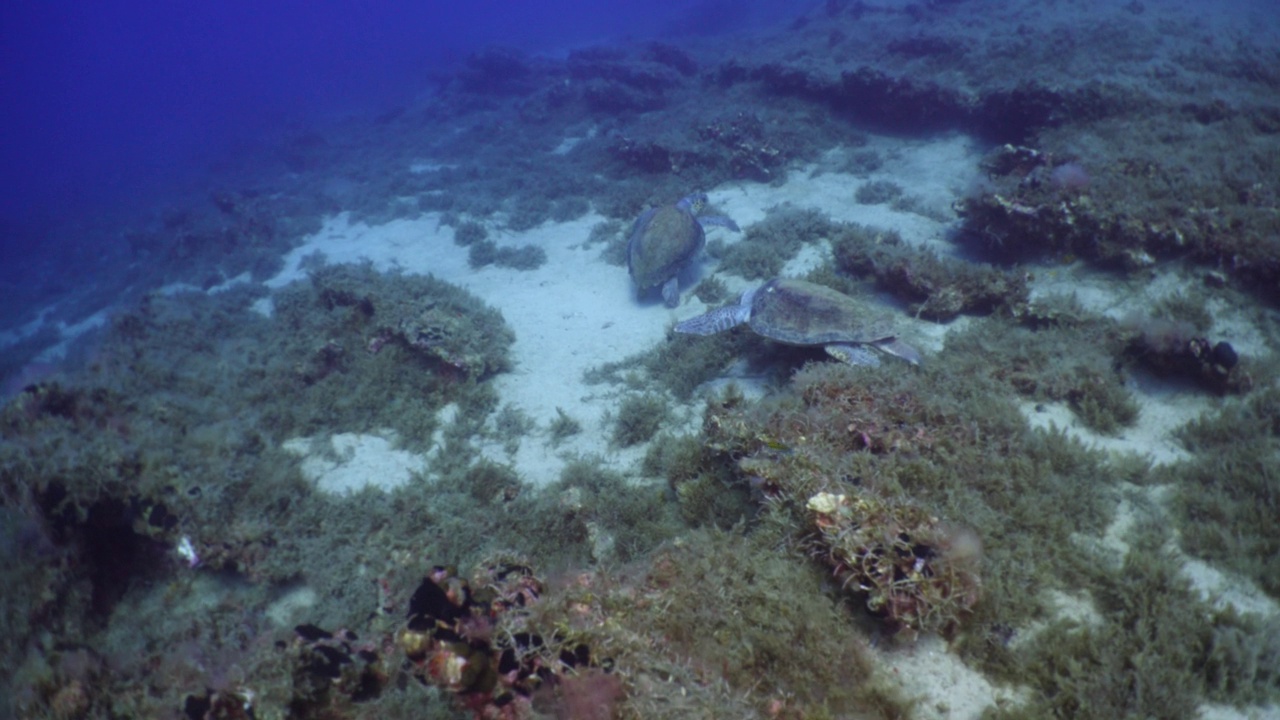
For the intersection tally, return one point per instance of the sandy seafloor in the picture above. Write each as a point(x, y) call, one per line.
point(577, 312)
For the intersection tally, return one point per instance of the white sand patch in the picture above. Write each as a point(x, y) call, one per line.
point(1238, 322)
point(1218, 588)
point(1165, 405)
point(566, 145)
point(423, 167)
point(292, 607)
point(570, 315)
point(1241, 325)
point(1209, 711)
point(945, 688)
point(1162, 409)
point(348, 462)
point(1102, 293)
point(934, 171)
point(67, 333)
point(57, 352)
point(1222, 590)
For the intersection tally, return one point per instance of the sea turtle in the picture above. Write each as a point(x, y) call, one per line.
point(663, 241)
point(797, 312)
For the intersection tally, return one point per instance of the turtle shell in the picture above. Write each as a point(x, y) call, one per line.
point(804, 313)
point(662, 242)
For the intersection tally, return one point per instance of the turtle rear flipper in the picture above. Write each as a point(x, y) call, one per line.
point(897, 348)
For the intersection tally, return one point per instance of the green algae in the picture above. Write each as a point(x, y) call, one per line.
point(562, 427)
point(947, 441)
point(878, 192)
point(174, 433)
point(1140, 659)
point(678, 366)
point(487, 252)
point(705, 488)
point(1225, 498)
point(936, 287)
point(1154, 649)
point(638, 419)
point(766, 245)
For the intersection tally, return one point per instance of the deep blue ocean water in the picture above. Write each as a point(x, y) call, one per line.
point(106, 108)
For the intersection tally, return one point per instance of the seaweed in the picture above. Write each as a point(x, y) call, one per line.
point(610, 234)
point(510, 425)
point(1102, 403)
point(877, 192)
point(487, 252)
point(469, 233)
point(638, 419)
point(767, 245)
point(1147, 650)
point(489, 482)
point(1225, 498)
point(525, 257)
point(679, 366)
point(705, 487)
point(482, 253)
point(569, 208)
point(712, 291)
point(1092, 384)
point(616, 520)
point(644, 642)
point(937, 288)
point(563, 427)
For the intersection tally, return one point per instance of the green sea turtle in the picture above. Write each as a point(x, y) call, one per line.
point(663, 242)
point(796, 312)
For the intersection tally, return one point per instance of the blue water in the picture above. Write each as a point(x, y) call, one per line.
point(109, 108)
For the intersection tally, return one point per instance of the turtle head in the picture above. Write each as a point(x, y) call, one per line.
point(693, 203)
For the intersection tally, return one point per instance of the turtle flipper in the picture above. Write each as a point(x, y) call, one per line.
point(719, 221)
point(897, 348)
point(718, 320)
point(671, 292)
point(851, 354)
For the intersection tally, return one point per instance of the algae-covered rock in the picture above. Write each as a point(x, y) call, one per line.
point(433, 318)
point(814, 459)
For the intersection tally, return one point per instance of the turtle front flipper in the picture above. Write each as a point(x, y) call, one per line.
point(719, 221)
point(671, 292)
point(718, 320)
